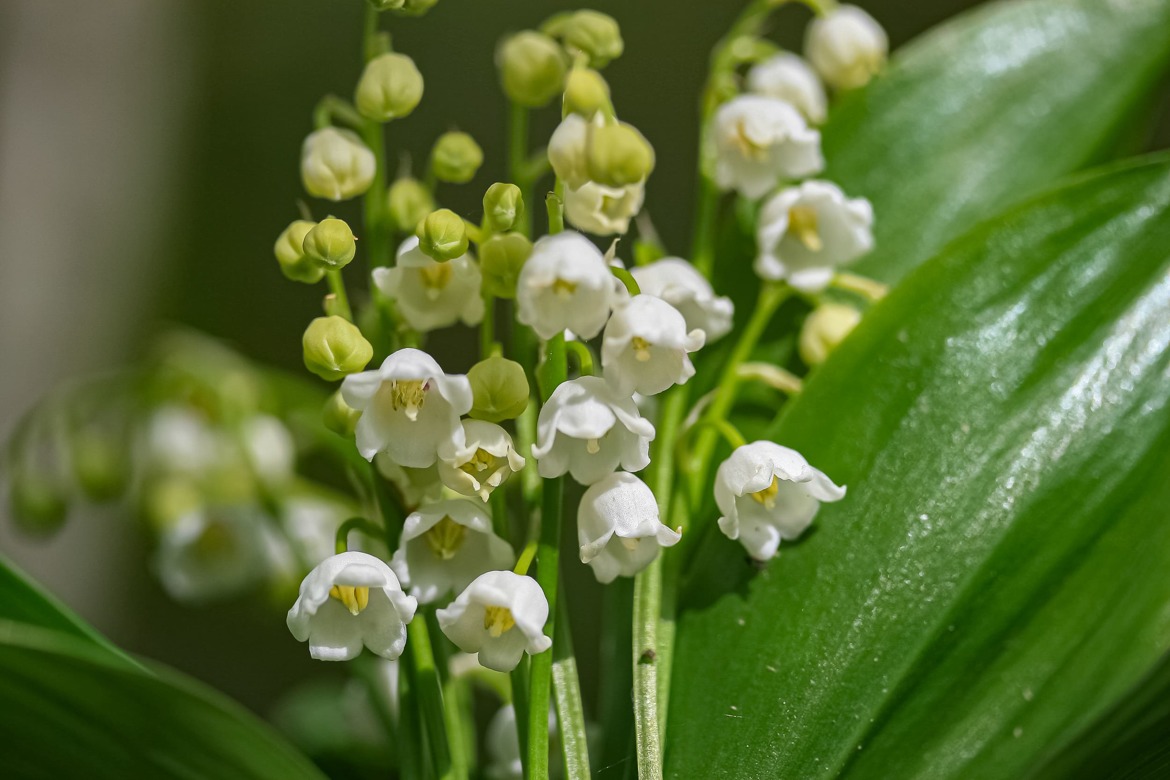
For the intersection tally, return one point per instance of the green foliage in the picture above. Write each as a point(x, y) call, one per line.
point(985, 590)
point(74, 706)
point(988, 108)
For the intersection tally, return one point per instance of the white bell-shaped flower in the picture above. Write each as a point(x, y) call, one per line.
point(646, 346)
point(588, 430)
point(416, 486)
point(618, 527)
point(680, 284)
point(431, 294)
point(501, 616)
point(766, 493)
point(336, 165)
point(211, 553)
point(847, 46)
point(601, 210)
point(481, 465)
point(760, 141)
point(270, 448)
point(565, 284)
point(567, 149)
point(446, 545)
point(408, 408)
point(806, 232)
point(786, 76)
point(179, 440)
point(349, 600)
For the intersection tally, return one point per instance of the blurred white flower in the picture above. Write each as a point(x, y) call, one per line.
point(502, 742)
point(760, 141)
point(618, 527)
point(847, 46)
point(601, 210)
point(824, 329)
point(646, 346)
point(211, 553)
point(446, 545)
point(270, 448)
point(565, 284)
point(408, 408)
point(589, 430)
point(677, 282)
point(766, 493)
point(336, 165)
point(481, 465)
point(431, 294)
point(179, 440)
point(350, 600)
point(788, 77)
point(501, 616)
point(805, 232)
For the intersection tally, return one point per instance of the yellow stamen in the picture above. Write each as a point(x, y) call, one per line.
point(641, 349)
point(405, 394)
point(435, 278)
point(630, 544)
point(767, 496)
point(802, 223)
point(445, 538)
point(747, 147)
point(355, 599)
point(482, 460)
point(497, 621)
point(593, 446)
point(564, 288)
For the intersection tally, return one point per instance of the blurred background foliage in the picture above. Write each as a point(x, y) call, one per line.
point(148, 160)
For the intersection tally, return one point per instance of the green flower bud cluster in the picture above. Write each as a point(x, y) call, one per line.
point(503, 207)
point(499, 389)
point(390, 88)
point(500, 259)
point(290, 253)
point(442, 235)
point(591, 34)
point(532, 68)
point(334, 347)
point(456, 158)
point(330, 244)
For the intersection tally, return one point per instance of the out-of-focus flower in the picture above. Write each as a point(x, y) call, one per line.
point(788, 77)
point(759, 142)
point(847, 46)
point(677, 282)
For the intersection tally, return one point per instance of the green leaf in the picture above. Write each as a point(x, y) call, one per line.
point(71, 710)
point(996, 576)
point(1128, 741)
point(988, 108)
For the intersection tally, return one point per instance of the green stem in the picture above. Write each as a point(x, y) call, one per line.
point(555, 203)
point(706, 215)
point(567, 688)
point(517, 159)
point(430, 694)
point(771, 296)
point(519, 678)
point(340, 305)
point(548, 576)
point(410, 741)
point(627, 279)
point(487, 327)
point(667, 626)
point(341, 543)
point(581, 356)
point(648, 598)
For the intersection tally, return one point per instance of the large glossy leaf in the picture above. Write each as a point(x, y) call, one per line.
point(997, 576)
point(70, 710)
point(987, 108)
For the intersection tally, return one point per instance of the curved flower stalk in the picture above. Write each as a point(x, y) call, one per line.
point(500, 616)
point(446, 545)
point(349, 601)
point(409, 407)
point(767, 493)
point(588, 430)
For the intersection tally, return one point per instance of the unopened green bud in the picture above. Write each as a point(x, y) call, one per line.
point(586, 93)
point(618, 155)
point(442, 235)
point(414, 7)
point(339, 417)
point(290, 253)
point(98, 466)
point(503, 206)
point(593, 33)
point(824, 330)
point(456, 158)
point(330, 244)
point(532, 68)
point(408, 202)
point(500, 259)
point(334, 347)
point(390, 87)
point(499, 389)
point(38, 505)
